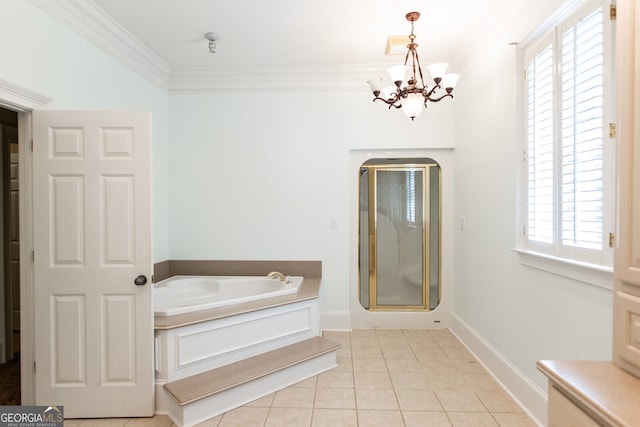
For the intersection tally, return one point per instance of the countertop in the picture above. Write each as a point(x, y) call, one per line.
point(602, 388)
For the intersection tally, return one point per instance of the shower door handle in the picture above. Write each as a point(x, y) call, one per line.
point(141, 280)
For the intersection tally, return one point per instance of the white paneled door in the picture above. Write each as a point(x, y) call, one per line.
point(92, 251)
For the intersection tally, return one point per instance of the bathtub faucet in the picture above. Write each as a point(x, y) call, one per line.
point(277, 275)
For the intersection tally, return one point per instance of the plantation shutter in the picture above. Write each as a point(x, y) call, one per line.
point(582, 132)
point(565, 106)
point(540, 146)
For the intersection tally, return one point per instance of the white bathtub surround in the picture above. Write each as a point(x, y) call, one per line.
point(211, 360)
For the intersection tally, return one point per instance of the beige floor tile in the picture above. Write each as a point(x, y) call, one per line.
point(155, 421)
point(478, 382)
point(448, 341)
point(103, 422)
point(416, 333)
point(341, 337)
point(369, 364)
point(443, 332)
point(364, 340)
point(295, 397)
point(263, 402)
point(380, 419)
point(335, 398)
point(423, 419)
point(376, 399)
point(458, 353)
point(393, 341)
point(393, 377)
point(372, 380)
point(363, 333)
point(245, 417)
point(410, 381)
point(471, 419)
point(334, 418)
point(448, 381)
point(309, 382)
point(514, 420)
point(288, 417)
point(389, 332)
point(361, 350)
point(469, 366)
point(399, 351)
point(498, 401)
point(418, 400)
point(416, 339)
point(335, 379)
point(345, 364)
point(403, 365)
point(211, 422)
point(430, 355)
point(344, 351)
point(460, 401)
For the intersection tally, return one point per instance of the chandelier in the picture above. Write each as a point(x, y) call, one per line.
point(412, 94)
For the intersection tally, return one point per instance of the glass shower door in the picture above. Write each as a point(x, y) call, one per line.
point(399, 236)
point(399, 232)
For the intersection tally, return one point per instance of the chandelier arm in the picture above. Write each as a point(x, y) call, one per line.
point(446, 95)
point(389, 102)
point(433, 89)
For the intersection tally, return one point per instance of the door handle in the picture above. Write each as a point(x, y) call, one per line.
point(141, 280)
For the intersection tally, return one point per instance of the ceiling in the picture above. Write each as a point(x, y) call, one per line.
point(326, 33)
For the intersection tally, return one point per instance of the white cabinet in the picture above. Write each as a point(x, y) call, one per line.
point(626, 322)
point(564, 413)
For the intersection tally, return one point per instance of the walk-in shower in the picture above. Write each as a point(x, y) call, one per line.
point(399, 234)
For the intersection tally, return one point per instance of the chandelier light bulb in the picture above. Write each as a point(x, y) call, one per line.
point(413, 105)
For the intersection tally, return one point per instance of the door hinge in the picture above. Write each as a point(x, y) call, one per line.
point(612, 239)
point(153, 279)
point(612, 12)
point(31, 147)
point(33, 256)
point(524, 230)
point(524, 75)
point(612, 130)
point(34, 366)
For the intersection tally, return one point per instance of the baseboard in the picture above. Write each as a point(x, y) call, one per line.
point(529, 396)
point(335, 321)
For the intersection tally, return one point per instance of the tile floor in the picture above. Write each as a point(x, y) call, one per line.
point(385, 377)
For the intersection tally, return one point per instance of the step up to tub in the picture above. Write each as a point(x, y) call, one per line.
point(208, 394)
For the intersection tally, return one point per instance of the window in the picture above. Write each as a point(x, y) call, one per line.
point(567, 208)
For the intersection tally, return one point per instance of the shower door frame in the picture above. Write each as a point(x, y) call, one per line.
point(372, 213)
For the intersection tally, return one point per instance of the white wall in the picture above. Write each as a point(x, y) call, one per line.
point(523, 313)
point(260, 175)
point(42, 55)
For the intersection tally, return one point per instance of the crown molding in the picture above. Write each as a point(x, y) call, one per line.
point(21, 99)
point(289, 78)
point(91, 22)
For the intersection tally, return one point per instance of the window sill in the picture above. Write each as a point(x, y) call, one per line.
point(592, 274)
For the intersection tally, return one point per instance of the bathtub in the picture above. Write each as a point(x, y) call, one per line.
point(183, 294)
